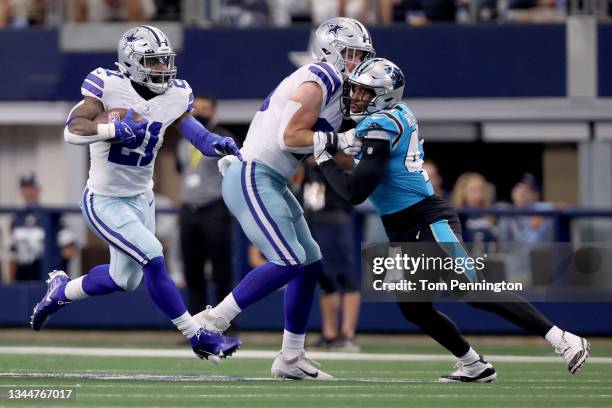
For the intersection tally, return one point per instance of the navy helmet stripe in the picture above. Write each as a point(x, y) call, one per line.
point(152, 29)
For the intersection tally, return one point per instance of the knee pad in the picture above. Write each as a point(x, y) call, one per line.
point(153, 249)
point(312, 251)
point(129, 278)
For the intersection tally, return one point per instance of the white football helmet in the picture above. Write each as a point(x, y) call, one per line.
point(340, 33)
point(138, 49)
point(380, 75)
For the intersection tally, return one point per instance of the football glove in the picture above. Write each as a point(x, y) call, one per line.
point(326, 144)
point(215, 145)
point(129, 131)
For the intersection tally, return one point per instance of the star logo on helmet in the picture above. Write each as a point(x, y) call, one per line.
point(131, 37)
point(334, 28)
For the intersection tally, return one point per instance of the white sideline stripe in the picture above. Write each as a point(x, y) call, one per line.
point(317, 355)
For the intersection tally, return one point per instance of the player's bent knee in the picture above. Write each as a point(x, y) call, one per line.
point(154, 249)
point(129, 281)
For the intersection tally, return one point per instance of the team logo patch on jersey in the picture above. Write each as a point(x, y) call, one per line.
point(147, 108)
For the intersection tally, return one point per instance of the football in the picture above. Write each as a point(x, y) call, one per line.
point(114, 114)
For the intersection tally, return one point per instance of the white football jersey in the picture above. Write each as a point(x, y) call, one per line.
point(115, 170)
point(262, 142)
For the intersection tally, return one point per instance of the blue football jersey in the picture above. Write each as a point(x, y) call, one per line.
point(405, 183)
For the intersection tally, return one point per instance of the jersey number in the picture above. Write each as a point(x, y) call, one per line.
point(414, 157)
point(120, 154)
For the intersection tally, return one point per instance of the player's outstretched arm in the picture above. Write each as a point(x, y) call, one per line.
point(355, 186)
point(210, 144)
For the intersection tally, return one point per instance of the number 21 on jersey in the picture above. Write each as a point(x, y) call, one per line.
point(120, 154)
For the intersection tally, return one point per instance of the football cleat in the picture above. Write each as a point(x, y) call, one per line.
point(213, 346)
point(574, 349)
point(297, 368)
point(211, 323)
point(53, 300)
point(478, 371)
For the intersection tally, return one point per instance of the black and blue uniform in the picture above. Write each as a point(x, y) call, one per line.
point(389, 171)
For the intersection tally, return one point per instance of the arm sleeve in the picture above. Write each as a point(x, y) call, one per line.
point(356, 186)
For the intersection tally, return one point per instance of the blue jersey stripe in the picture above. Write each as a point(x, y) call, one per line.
point(91, 88)
point(96, 80)
point(331, 73)
point(330, 88)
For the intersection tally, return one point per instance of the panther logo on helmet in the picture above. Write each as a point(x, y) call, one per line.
point(385, 81)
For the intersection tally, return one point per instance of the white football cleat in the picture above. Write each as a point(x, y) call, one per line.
point(297, 368)
point(574, 349)
point(478, 371)
point(211, 323)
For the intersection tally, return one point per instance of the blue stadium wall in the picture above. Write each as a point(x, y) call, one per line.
point(439, 61)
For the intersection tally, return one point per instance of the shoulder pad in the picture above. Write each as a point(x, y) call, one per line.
point(326, 76)
point(183, 87)
point(93, 84)
point(380, 125)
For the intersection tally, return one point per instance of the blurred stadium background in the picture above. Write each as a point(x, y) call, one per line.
point(517, 91)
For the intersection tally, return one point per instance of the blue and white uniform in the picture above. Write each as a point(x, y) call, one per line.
point(118, 202)
point(256, 190)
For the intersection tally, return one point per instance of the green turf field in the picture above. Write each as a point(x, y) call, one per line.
point(102, 381)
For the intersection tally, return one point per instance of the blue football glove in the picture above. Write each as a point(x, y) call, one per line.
point(216, 145)
point(129, 131)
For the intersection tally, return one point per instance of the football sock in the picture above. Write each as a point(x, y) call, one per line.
point(228, 309)
point(262, 281)
point(298, 298)
point(516, 310)
point(74, 289)
point(97, 282)
point(293, 344)
point(162, 289)
point(470, 357)
point(554, 336)
point(186, 325)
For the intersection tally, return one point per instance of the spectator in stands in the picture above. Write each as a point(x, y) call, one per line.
point(27, 240)
point(530, 229)
point(331, 224)
point(205, 223)
point(416, 12)
point(472, 191)
point(283, 12)
point(21, 13)
point(114, 10)
point(434, 177)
